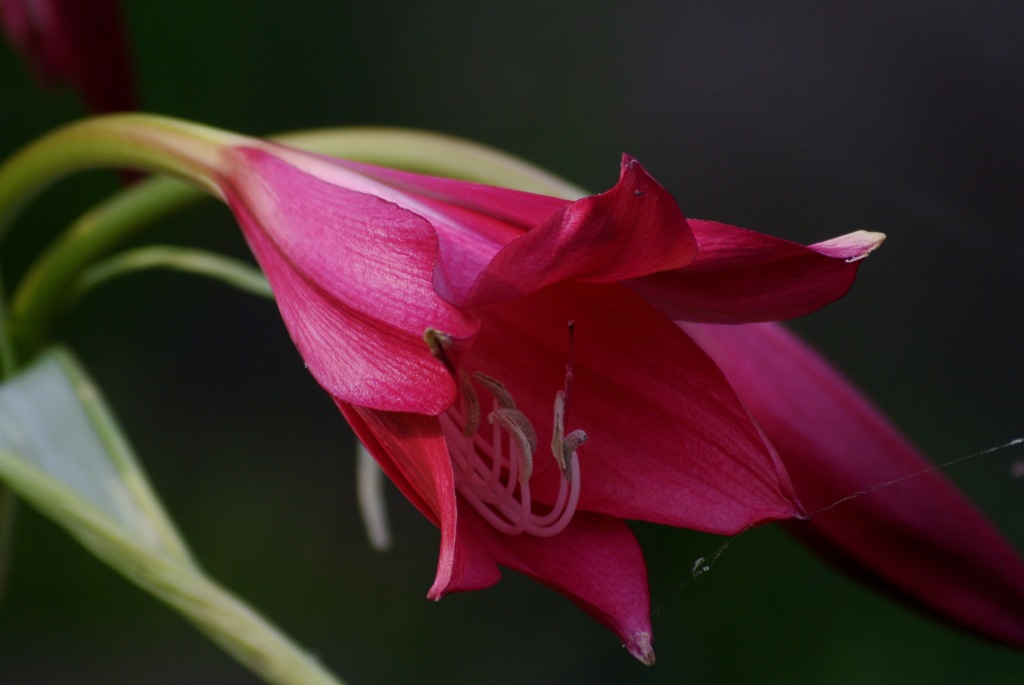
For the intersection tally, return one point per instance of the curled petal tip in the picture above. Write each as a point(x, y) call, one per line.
point(852, 247)
point(439, 590)
point(639, 645)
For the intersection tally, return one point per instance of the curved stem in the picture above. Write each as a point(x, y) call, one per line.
point(227, 620)
point(435, 154)
point(159, 144)
point(192, 153)
point(42, 293)
point(45, 290)
point(230, 271)
point(139, 141)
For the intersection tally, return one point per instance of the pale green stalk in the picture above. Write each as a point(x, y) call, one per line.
point(43, 293)
point(135, 141)
point(435, 154)
point(61, 450)
point(192, 153)
point(158, 144)
point(234, 272)
point(215, 611)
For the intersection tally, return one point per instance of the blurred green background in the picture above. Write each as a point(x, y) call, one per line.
point(804, 120)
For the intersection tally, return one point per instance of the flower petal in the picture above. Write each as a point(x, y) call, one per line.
point(411, 451)
point(919, 538)
point(516, 208)
point(595, 562)
point(473, 221)
point(633, 229)
point(353, 276)
point(669, 441)
point(742, 276)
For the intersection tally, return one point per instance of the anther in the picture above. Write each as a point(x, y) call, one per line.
point(493, 474)
point(519, 429)
point(558, 430)
point(439, 343)
point(470, 405)
point(564, 446)
point(497, 389)
point(505, 401)
point(569, 446)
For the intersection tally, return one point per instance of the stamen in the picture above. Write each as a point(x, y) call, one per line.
point(470, 404)
point(572, 442)
point(514, 421)
point(564, 446)
point(504, 398)
point(439, 343)
point(558, 431)
point(493, 476)
point(499, 391)
point(569, 447)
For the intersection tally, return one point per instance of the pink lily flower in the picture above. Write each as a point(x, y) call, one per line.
point(917, 539)
point(75, 42)
point(436, 314)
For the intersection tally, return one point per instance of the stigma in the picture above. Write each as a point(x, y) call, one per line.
point(493, 464)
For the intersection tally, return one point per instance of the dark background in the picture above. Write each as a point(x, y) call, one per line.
point(806, 120)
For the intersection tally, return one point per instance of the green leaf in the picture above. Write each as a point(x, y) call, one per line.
point(61, 451)
point(59, 438)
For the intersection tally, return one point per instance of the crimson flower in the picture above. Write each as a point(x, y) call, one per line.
point(916, 539)
point(76, 42)
point(437, 315)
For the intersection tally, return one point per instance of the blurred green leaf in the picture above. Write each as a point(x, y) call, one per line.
point(64, 452)
point(61, 450)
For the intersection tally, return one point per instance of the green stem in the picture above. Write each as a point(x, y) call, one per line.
point(152, 143)
point(192, 153)
point(47, 287)
point(158, 144)
point(227, 620)
point(225, 269)
point(43, 293)
point(435, 154)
